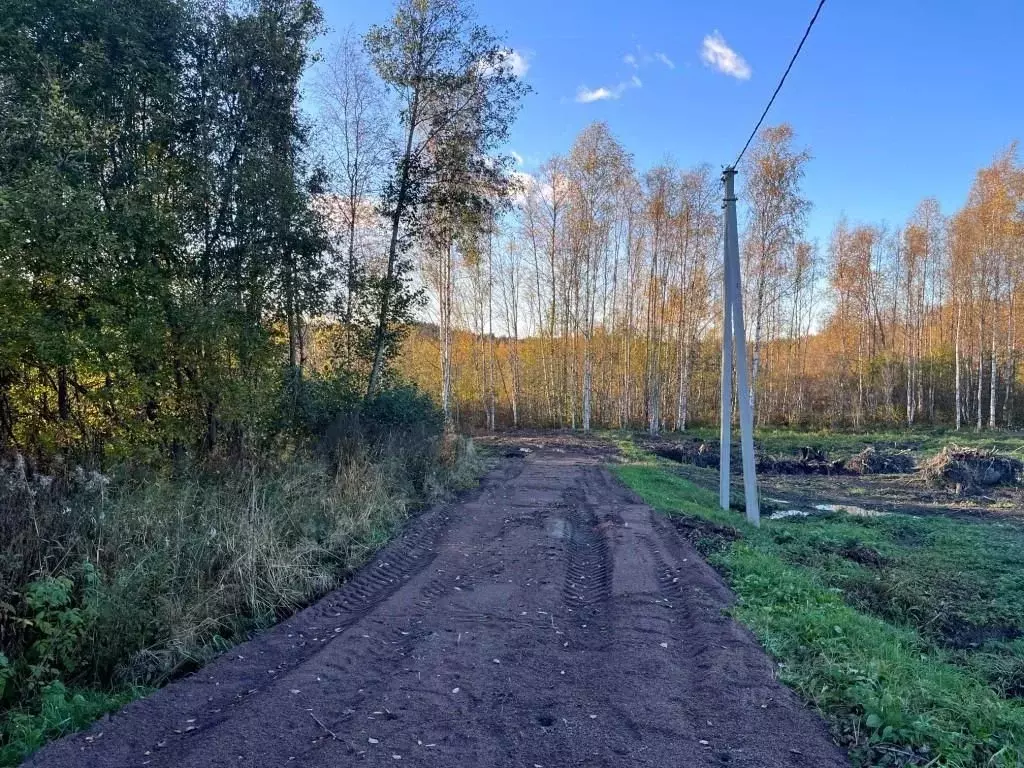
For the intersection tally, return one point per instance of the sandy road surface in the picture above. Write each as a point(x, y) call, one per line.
point(549, 620)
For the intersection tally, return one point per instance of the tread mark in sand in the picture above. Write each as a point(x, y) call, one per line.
point(444, 583)
point(393, 567)
point(668, 577)
point(686, 601)
point(588, 570)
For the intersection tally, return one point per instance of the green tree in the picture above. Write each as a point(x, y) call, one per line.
point(158, 245)
point(451, 76)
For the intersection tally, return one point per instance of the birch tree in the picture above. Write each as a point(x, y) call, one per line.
point(446, 72)
point(776, 217)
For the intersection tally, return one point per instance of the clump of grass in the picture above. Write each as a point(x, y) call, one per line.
point(57, 712)
point(112, 586)
point(221, 557)
point(866, 617)
point(882, 687)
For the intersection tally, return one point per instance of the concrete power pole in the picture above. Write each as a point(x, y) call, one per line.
point(733, 331)
point(725, 433)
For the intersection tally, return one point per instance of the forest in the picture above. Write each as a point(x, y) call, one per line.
point(202, 428)
point(595, 301)
point(261, 279)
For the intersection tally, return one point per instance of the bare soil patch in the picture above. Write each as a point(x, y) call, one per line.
point(549, 619)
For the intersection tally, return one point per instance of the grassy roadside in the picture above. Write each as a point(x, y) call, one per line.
point(131, 582)
point(904, 632)
point(919, 440)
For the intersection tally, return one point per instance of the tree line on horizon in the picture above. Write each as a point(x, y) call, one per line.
point(596, 301)
point(191, 261)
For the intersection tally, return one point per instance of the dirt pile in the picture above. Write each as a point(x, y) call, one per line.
point(972, 468)
point(696, 451)
point(701, 453)
point(807, 461)
point(862, 554)
point(872, 461)
point(706, 537)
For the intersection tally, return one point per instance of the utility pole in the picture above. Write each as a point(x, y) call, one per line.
point(733, 330)
point(725, 432)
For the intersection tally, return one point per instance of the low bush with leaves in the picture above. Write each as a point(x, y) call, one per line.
point(112, 584)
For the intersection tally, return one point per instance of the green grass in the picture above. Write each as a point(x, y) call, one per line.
point(898, 629)
point(923, 441)
point(57, 712)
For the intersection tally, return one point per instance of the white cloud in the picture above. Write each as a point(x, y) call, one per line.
point(641, 58)
point(585, 95)
point(512, 60)
point(516, 156)
point(716, 53)
point(605, 93)
point(517, 62)
point(522, 184)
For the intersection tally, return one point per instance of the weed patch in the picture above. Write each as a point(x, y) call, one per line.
point(113, 587)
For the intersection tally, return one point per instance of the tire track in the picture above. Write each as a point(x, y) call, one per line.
point(550, 619)
point(397, 564)
point(588, 565)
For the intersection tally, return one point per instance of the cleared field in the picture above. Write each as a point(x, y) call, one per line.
point(914, 472)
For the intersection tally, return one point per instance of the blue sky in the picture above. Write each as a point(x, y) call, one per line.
point(896, 100)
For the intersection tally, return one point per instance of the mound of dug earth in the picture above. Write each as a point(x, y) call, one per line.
point(808, 461)
point(871, 461)
point(970, 468)
point(696, 452)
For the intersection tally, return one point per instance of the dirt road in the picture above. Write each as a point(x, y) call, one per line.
point(548, 620)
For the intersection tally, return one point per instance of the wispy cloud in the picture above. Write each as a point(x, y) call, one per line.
point(587, 95)
point(641, 58)
point(665, 60)
point(636, 60)
point(606, 93)
point(716, 53)
point(516, 156)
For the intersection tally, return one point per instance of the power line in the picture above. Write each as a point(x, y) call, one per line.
point(778, 88)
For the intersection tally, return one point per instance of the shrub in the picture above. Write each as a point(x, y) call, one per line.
point(108, 582)
point(310, 405)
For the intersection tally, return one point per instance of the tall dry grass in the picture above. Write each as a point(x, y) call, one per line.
point(152, 575)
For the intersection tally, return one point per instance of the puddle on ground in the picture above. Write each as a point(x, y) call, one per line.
point(849, 509)
point(782, 514)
